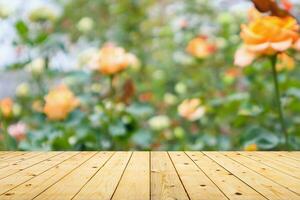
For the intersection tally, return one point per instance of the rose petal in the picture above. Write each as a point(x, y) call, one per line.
point(297, 45)
point(258, 48)
point(249, 36)
point(197, 114)
point(243, 57)
point(282, 46)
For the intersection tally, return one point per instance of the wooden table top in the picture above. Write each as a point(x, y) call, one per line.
point(150, 175)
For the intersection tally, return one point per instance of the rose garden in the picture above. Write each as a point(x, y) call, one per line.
point(169, 75)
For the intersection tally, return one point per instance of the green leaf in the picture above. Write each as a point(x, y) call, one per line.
point(295, 92)
point(61, 143)
point(22, 29)
point(41, 38)
point(140, 110)
point(117, 129)
point(263, 138)
point(249, 110)
point(143, 138)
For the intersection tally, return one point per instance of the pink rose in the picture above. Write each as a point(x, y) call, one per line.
point(18, 131)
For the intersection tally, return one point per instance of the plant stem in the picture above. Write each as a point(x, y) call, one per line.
point(40, 85)
point(111, 86)
point(7, 137)
point(278, 101)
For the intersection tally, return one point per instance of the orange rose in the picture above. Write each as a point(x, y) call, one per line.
point(191, 109)
point(266, 35)
point(251, 147)
point(59, 103)
point(232, 72)
point(285, 62)
point(200, 47)
point(111, 60)
point(6, 105)
point(287, 5)
point(146, 96)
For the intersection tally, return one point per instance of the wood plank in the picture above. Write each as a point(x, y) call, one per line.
point(135, 182)
point(38, 184)
point(165, 183)
point(282, 179)
point(126, 175)
point(16, 159)
point(290, 170)
point(11, 155)
point(104, 183)
point(195, 182)
point(7, 171)
point(281, 159)
point(288, 155)
point(264, 186)
point(4, 152)
point(231, 186)
point(68, 186)
point(294, 154)
point(20, 177)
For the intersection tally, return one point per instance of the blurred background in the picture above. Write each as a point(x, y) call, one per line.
point(180, 89)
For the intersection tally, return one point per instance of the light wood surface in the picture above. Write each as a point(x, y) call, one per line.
point(149, 175)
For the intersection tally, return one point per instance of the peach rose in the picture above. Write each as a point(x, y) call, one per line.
point(200, 47)
point(59, 103)
point(6, 105)
point(37, 106)
point(191, 109)
point(111, 60)
point(253, 14)
point(18, 131)
point(133, 61)
point(266, 35)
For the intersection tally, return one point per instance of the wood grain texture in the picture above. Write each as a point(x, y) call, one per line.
point(135, 182)
point(272, 162)
point(17, 158)
point(149, 175)
point(233, 187)
point(196, 183)
point(288, 155)
point(69, 185)
point(23, 164)
point(38, 184)
point(105, 182)
point(165, 183)
point(264, 186)
point(283, 179)
point(33, 171)
point(7, 155)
